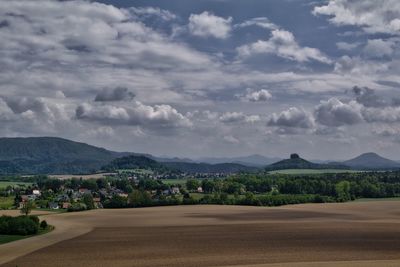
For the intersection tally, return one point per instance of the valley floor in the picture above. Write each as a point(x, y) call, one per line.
point(335, 234)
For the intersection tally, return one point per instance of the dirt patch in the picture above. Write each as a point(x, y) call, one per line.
point(221, 245)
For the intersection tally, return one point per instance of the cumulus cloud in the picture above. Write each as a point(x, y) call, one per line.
point(387, 114)
point(291, 118)
point(372, 16)
point(159, 116)
point(258, 96)
point(117, 94)
point(209, 25)
point(33, 115)
point(334, 112)
point(283, 44)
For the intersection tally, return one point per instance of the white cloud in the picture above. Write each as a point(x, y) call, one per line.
point(372, 16)
point(153, 11)
point(262, 22)
point(334, 112)
point(347, 46)
point(283, 44)
point(234, 117)
point(378, 48)
point(159, 116)
point(258, 96)
point(231, 139)
point(386, 114)
point(209, 25)
point(291, 118)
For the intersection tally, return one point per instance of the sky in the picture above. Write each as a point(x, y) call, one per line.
point(200, 78)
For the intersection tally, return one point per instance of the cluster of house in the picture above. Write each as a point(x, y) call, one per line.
point(63, 200)
point(68, 196)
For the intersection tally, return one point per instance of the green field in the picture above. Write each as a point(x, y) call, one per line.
point(6, 203)
point(310, 171)
point(138, 171)
point(9, 238)
point(4, 184)
point(174, 181)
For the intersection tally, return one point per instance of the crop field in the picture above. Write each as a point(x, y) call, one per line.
point(6, 202)
point(174, 181)
point(337, 234)
point(311, 171)
point(4, 184)
point(77, 176)
point(138, 171)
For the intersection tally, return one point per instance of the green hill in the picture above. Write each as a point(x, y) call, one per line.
point(371, 161)
point(135, 162)
point(296, 162)
point(51, 155)
point(225, 168)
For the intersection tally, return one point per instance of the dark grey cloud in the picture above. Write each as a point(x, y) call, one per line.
point(117, 94)
point(367, 97)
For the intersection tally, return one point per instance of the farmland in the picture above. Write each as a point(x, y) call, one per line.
point(335, 234)
point(5, 184)
point(6, 202)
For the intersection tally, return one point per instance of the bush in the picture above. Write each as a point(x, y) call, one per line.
point(77, 207)
point(43, 225)
point(22, 225)
point(34, 218)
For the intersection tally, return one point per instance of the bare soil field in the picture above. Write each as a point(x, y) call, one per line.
point(348, 234)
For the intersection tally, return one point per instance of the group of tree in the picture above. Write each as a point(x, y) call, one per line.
point(22, 225)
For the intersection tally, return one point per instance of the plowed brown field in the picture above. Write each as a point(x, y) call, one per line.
point(349, 234)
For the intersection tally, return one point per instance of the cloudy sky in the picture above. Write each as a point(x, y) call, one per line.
point(206, 77)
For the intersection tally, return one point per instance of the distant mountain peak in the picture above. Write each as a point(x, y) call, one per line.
point(371, 160)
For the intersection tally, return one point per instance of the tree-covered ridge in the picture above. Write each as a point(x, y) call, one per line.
point(50, 155)
point(188, 167)
point(135, 162)
point(296, 162)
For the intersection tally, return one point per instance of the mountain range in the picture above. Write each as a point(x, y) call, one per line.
point(52, 155)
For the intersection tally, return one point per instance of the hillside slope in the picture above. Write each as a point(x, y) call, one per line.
point(371, 161)
point(51, 155)
point(295, 162)
point(224, 168)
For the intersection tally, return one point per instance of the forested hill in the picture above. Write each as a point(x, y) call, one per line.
point(224, 168)
point(135, 162)
point(51, 155)
point(372, 161)
point(296, 162)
